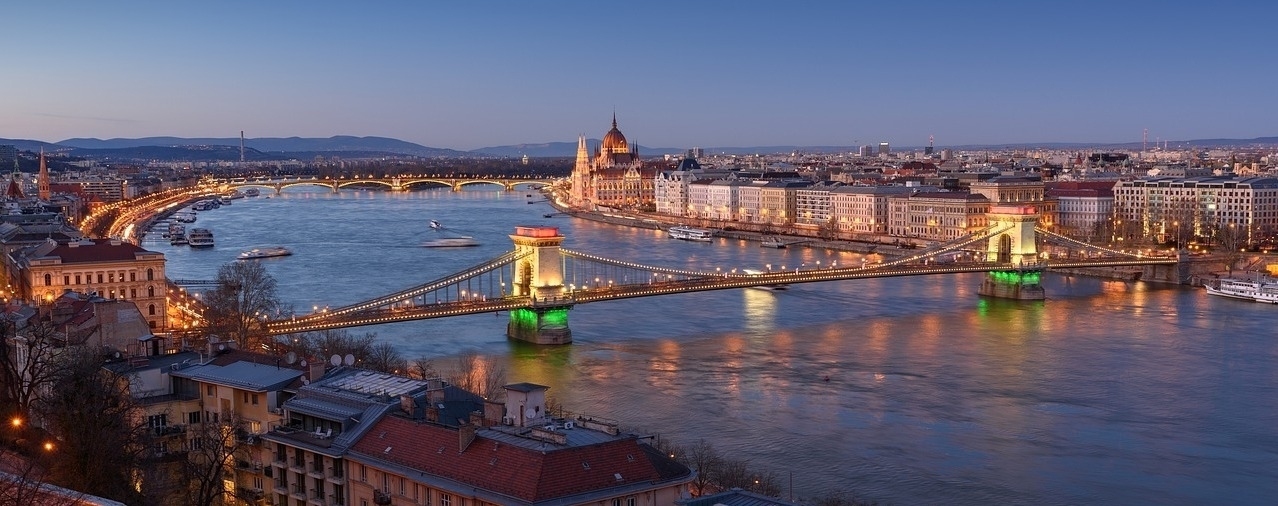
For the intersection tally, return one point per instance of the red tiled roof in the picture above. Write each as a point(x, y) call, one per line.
point(523, 473)
point(101, 251)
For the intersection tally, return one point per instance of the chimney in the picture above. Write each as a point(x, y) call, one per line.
point(465, 435)
point(493, 412)
point(315, 369)
point(432, 414)
point(477, 418)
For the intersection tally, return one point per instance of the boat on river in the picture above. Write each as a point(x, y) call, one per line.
point(256, 253)
point(200, 238)
point(690, 234)
point(1260, 288)
point(773, 242)
point(451, 242)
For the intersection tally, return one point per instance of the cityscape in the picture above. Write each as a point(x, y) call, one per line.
point(262, 263)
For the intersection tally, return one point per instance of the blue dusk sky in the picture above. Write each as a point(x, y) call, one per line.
point(469, 74)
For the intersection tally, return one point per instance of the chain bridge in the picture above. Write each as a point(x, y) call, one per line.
point(394, 183)
point(538, 282)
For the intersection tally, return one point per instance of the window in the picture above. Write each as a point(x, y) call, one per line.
point(254, 399)
point(445, 500)
point(77, 279)
point(150, 309)
point(363, 473)
point(133, 293)
point(110, 277)
point(133, 276)
point(209, 390)
point(193, 417)
point(150, 275)
point(150, 291)
point(66, 279)
point(99, 277)
point(48, 279)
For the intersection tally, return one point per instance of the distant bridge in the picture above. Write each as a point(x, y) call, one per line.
point(394, 183)
point(538, 282)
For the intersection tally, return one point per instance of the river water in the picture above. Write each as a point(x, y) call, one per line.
point(900, 390)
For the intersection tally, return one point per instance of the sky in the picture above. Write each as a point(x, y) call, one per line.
point(471, 74)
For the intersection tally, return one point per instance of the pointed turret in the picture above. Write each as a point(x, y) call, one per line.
point(583, 155)
point(45, 192)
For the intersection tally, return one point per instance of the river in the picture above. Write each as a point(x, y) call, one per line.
point(901, 390)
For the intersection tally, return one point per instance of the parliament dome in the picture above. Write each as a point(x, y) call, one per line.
point(614, 141)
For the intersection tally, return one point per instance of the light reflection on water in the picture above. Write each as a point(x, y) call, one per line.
point(1108, 392)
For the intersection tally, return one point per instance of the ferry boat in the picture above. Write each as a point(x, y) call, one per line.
point(451, 242)
point(274, 251)
point(177, 239)
point(1259, 289)
point(252, 192)
point(184, 216)
point(200, 238)
point(691, 234)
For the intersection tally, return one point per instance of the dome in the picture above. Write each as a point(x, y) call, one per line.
point(613, 141)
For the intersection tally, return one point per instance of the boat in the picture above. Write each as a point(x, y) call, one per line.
point(1260, 288)
point(773, 242)
point(778, 286)
point(200, 238)
point(252, 192)
point(273, 251)
point(435, 225)
point(184, 216)
point(451, 242)
point(178, 239)
point(690, 234)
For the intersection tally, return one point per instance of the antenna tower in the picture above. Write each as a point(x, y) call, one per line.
point(1144, 139)
point(241, 146)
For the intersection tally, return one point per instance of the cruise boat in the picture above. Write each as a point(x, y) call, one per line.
point(252, 192)
point(1259, 289)
point(691, 234)
point(184, 216)
point(177, 239)
point(200, 238)
point(274, 251)
point(451, 242)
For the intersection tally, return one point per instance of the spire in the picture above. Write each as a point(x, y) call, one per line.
point(45, 192)
point(583, 156)
point(614, 118)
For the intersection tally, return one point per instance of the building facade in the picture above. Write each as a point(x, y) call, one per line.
point(614, 177)
point(108, 267)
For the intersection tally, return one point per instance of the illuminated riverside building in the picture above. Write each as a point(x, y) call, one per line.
point(1084, 209)
point(670, 187)
point(613, 177)
point(864, 209)
point(109, 267)
point(1235, 210)
point(937, 216)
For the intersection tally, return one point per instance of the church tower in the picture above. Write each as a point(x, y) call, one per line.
point(45, 193)
point(581, 172)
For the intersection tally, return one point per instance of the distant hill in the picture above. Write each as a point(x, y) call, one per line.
point(30, 145)
point(559, 150)
point(278, 144)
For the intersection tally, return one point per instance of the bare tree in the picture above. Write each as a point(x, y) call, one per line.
point(735, 473)
point(30, 364)
point(213, 448)
point(23, 482)
point(99, 440)
point(326, 343)
point(244, 299)
point(422, 368)
point(483, 378)
point(385, 358)
point(706, 461)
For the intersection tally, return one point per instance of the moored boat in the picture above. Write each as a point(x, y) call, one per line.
point(1260, 288)
point(274, 251)
point(772, 242)
point(690, 234)
point(200, 238)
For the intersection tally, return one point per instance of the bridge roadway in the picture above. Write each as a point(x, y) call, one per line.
point(394, 183)
point(379, 316)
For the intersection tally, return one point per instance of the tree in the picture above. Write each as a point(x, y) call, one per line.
point(474, 375)
point(385, 358)
point(705, 460)
point(244, 299)
point(326, 343)
point(100, 440)
point(29, 365)
point(213, 448)
point(22, 482)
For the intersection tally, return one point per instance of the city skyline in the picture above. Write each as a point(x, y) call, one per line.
point(467, 77)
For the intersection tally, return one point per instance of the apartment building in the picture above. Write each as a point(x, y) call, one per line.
point(514, 453)
point(1238, 210)
point(937, 216)
point(864, 209)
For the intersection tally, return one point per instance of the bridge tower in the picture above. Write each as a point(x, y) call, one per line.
point(1015, 247)
point(539, 276)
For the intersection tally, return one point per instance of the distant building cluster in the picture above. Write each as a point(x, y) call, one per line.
point(936, 195)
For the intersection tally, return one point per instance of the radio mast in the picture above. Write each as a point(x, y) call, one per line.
point(241, 146)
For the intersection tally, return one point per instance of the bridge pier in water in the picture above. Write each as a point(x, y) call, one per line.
point(539, 276)
point(1016, 245)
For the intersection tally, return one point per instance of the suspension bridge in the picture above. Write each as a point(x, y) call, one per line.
point(538, 282)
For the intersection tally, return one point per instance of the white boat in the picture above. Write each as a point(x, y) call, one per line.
point(184, 216)
point(200, 238)
point(451, 242)
point(252, 192)
point(178, 239)
point(435, 225)
point(691, 234)
point(274, 251)
point(1259, 289)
